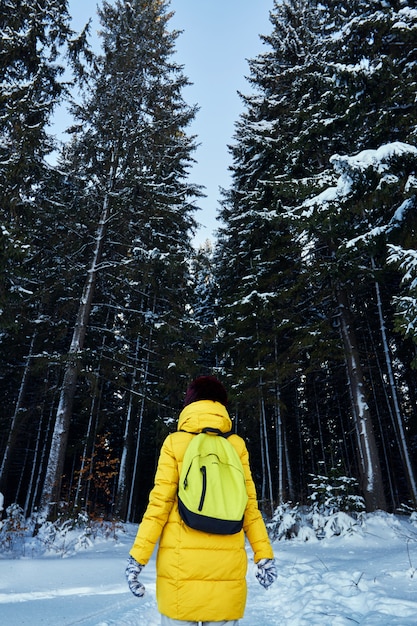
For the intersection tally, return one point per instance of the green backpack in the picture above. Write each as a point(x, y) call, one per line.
point(212, 494)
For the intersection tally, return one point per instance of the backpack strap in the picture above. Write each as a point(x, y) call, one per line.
point(212, 431)
point(208, 429)
point(217, 431)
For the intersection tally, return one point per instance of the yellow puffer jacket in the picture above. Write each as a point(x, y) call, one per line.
point(200, 576)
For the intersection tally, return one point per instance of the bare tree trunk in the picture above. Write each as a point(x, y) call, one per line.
point(266, 463)
point(281, 456)
point(139, 431)
point(84, 459)
point(402, 441)
point(122, 490)
point(44, 453)
point(261, 438)
point(52, 482)
point(370, 470)
point(301, 454)
point(290, 481)
point(34, 473)
point(91, 467)
point(17, 419)
point(280, 439)
point(386, 441)
point(320, 432)
point(89, 435)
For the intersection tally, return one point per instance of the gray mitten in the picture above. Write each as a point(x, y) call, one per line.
point(133, 569)
point(266, 572)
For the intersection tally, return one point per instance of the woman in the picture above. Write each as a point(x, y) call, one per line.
point(201, 577)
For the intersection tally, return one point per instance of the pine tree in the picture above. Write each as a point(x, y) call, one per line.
point(318, 93)
point(368, 64)
point(202, 309)
point(37, 43)
point(259, 256)
point(130, 149)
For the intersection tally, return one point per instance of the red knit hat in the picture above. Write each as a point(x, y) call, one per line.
point(206, 388)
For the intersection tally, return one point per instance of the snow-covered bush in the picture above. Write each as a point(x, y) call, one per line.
point(291, 522)
point(307, 524)
point(64, 537)
point(334, 493)
point(13, 530)
point(340, 524)
point(334, 509)
point(286, 522)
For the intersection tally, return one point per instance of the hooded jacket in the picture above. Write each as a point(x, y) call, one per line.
point(200, 576)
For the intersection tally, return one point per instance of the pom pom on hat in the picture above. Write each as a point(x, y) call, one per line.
point(206, 388)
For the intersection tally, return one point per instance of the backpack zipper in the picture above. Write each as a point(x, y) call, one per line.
point(203, 471)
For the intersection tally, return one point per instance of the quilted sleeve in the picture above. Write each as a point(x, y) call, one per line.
point(253, 523)
point(161, 500)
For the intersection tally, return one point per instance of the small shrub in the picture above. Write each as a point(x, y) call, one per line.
point(334, 493)
point(335, 509)
point(64, 537)
point(285, 523)
point(12, 531)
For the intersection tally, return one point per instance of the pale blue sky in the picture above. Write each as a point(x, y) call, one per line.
point(219, 36)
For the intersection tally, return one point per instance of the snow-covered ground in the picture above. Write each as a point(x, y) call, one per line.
point(368, 577)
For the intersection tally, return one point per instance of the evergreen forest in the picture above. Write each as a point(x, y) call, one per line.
point(305, 305)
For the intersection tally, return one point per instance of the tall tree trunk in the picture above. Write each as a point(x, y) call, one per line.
point(17, 420)
point(370, 470)
point(29, 487)
point(84, 459)
point(291, 488)
point(43, 460)
point(280, 440)
point(130, 508)
point(266, 463)
point(279, 430)
point(91, 428)
point(122, 487)
point(52, 481)
point(386, 438)
point(402, 441)
point(34, 473)
point(323, 460)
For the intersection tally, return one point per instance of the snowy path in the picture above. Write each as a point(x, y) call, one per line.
point(366, 579)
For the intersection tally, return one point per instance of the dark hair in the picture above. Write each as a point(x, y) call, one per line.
point(206, 388)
